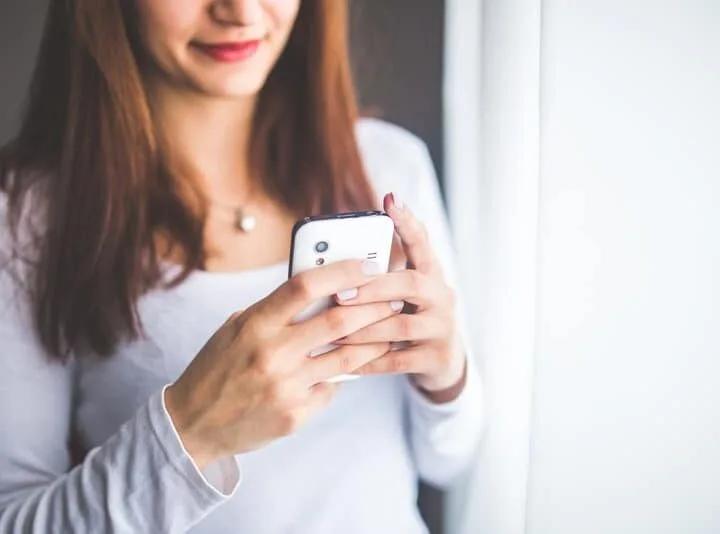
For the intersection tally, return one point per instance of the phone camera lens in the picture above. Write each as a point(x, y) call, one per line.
point(321, 246)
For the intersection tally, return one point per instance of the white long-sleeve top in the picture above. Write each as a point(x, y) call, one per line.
point(352, 469)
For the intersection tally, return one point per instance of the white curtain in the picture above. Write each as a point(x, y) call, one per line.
point(492, 86)
point(583, 173)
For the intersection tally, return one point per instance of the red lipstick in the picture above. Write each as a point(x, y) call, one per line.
point(229, 52)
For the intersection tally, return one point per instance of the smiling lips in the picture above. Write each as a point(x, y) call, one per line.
point(229, 52)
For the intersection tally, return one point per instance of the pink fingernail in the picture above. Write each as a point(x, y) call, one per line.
point(397, 305)
point(347, 294)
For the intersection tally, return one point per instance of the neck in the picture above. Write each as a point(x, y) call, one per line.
point(211, 136)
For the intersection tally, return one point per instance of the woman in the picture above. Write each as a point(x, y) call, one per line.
point(167, 149)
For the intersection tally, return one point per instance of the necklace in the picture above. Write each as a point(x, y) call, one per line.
point(242, 220)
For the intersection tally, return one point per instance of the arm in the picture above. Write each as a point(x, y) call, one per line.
point(444, 435)
point(141, 480)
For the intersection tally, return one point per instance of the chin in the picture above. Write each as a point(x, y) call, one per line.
point(240, 87)
point(234, 90)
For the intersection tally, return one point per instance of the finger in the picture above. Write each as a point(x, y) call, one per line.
point(398, 260)
point(400, 327)
point(300, 291)
point(343, 361)
point(318, 398)
point(320, 395)
point(413, 360)
point(336, 323)
point(413, 235)
point(409, 285)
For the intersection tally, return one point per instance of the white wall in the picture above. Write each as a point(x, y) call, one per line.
point(626, 431)
point(616, 331)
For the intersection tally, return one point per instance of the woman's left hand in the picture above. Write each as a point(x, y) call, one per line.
point(429, 344)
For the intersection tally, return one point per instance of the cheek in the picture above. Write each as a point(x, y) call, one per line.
point(164, 23)
point(282, 15)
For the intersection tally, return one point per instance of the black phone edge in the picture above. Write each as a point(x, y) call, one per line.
point(346, 215)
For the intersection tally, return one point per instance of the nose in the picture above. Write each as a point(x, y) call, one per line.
point(237, 12)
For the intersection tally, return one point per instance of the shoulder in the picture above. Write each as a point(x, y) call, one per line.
point(387, 147)
point(394, 158)
point(377, 137)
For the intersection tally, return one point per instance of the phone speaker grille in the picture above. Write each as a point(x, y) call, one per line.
point(372, 256)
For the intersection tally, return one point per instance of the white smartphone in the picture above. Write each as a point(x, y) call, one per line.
point(326, 239)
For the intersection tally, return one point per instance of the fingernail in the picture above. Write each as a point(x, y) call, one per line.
point(397, 201)
point(347, 294)
point(370, 268)
point(397, 305)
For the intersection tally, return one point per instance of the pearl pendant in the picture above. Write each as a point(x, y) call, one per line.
point(243, 222)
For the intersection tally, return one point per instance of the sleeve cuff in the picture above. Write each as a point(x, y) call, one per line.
point(445, 436)
point(469, 395)
point(216, 483)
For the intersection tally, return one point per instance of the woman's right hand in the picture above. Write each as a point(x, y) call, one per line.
point(253, 381)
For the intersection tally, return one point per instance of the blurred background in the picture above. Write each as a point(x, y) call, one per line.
point(578, 144)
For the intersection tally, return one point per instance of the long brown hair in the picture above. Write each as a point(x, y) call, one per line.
point(89, 142)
